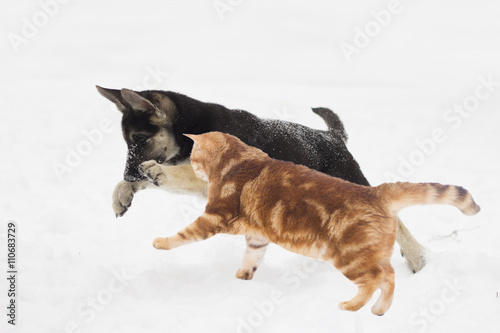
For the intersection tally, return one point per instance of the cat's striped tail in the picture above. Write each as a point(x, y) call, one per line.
point(401, 195)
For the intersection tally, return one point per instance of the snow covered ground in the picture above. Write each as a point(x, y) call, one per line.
point(417, 84)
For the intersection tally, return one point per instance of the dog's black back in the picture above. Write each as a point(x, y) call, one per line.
point(324, 151)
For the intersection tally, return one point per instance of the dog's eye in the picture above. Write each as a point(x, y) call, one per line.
point(140, 138)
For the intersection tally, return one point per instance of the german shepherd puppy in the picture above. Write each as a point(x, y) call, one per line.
point(153, 125)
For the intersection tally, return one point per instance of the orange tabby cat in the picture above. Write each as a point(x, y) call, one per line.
point(305, 211)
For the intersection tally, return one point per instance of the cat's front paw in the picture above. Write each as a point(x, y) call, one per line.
point(122, 197)
point(161, 243)
point(346, 306)
point(351, 305)
point(245, 274)
point(153, 171)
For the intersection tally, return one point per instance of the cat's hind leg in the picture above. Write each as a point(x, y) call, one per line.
point(254, 253)
point(367, 283)
point(387, 287)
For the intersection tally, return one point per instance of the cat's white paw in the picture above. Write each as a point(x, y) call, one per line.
point(379, 310)
point(344, 306)
point(161, 243)
point(246, 274)
point(350, 306)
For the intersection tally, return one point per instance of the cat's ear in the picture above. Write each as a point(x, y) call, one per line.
point(198, 140)
point(195, 138)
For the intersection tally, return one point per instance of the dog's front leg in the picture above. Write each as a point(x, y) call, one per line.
point(123, 195)
point(177, 178)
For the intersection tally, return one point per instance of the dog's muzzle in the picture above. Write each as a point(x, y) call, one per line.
point(132, 174)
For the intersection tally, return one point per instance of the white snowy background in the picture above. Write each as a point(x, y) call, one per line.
point(83, 270)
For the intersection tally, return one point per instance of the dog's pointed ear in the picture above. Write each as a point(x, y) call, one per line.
point(137, 101)
point(114, 96)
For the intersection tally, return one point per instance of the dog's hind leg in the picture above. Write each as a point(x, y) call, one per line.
point(411, 249)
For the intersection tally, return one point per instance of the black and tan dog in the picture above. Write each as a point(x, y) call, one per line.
point(153, 125)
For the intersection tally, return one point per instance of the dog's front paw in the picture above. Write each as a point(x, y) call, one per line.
point(154, 172)
point(122, 197)
point(161, 243)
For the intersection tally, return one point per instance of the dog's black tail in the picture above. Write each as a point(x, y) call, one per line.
point(332, 120)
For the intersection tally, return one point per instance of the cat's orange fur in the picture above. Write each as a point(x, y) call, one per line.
point(351, 226)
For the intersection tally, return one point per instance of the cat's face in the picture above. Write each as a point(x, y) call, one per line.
point(197, 163)
point(218, 152)
point(206, 150)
